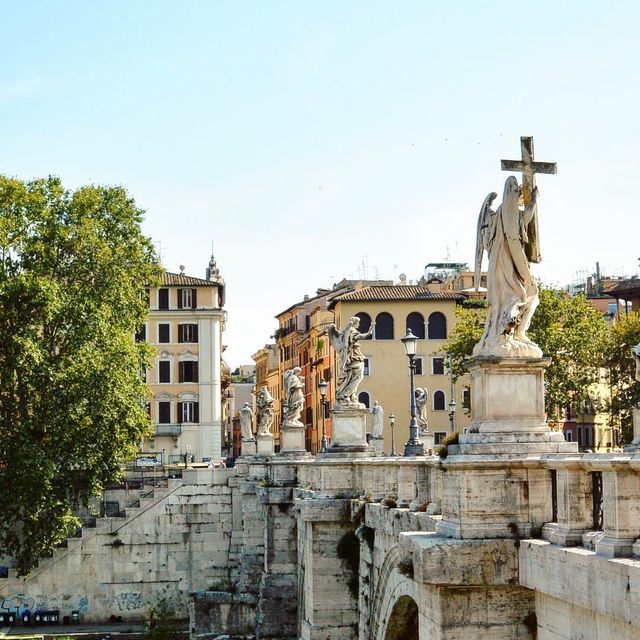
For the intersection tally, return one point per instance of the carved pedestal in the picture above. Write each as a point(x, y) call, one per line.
point(292, 440)
point(248, 447)
point(349, 432)
point(265, 444)
point(377, 444)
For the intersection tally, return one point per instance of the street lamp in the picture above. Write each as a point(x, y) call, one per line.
point(322, 388)
point(392, 422)
point(413, 446)
point(452, 414)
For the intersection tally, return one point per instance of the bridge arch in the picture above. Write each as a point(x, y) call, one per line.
point(394, 609)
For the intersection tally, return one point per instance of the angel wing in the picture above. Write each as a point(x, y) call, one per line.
point(485, 210)
point(336, 338)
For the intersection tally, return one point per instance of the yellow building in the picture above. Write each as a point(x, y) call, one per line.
point(185, 324)
point(430, 314)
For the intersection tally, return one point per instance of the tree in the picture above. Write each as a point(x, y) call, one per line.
point(625, 390)
point(568, 329)
point(72, 399)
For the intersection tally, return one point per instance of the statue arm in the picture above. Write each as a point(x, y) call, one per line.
point(532, 208)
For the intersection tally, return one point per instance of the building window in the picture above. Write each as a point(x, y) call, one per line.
point(384, 326)
point(439, 401)
point(365, 322)
point(415, 322)
point(439, 436)
point(188, 371)
point(164, 333)
point(188, 412)
point(417, 362)
point(164, 371)
point(187, 333)
point(367, 366)
point(163, 299)
point(466, 398)
point(437, 366)
point(363, 397)
point(187, 298)
point(164, 412)
point(437, 326)
point(141, 334)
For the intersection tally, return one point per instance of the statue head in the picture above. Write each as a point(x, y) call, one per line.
point(512, 192)
point(355, 321)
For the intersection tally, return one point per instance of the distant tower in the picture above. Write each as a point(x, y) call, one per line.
point(213, 273)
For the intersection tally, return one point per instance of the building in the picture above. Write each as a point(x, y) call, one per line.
point(430, 315)
point(186, 320)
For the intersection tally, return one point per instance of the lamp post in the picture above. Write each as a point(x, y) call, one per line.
point(452, 414)
point(392, 422)
point(413, 446)
point(322, 388)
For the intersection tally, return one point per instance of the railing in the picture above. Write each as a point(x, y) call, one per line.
point(168, 430)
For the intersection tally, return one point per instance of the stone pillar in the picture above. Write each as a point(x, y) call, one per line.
point(292, 440)
point(575, 503)
point(349, 432)
point(377, 444)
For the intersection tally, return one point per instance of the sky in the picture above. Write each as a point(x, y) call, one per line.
point(305, 142)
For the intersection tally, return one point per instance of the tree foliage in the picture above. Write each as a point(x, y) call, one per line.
point(72, 401)
point(568, 329)
point(625, 390)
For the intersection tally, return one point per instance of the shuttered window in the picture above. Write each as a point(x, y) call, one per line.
point(188, 371)
point(164, 412)
point(163, 298)
point(188, 333)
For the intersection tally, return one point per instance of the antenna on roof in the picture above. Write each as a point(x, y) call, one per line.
point(181, 268)
point(158, 243)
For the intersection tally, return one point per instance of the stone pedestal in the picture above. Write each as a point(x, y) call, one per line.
point(248, 447)
point(265, 444)
point(349, 432)
point(508, 410)
point(292, 440)
point(428, 440)
point(377, 444)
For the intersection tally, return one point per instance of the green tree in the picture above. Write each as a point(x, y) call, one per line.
point(568, 329)
point(72, 400)
point(625, 390)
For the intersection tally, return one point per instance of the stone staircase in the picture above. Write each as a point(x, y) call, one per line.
point(135, 507)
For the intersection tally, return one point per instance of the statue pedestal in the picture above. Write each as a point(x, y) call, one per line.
point(634, 445)
point(349, 432)
point(292, 440)
point(265, 444)
point(428, 440)
point(508, 410)
point(248, 447)
point(377, 444)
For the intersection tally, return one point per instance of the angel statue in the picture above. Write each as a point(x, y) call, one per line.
point(350, 361)
point(509, 236)
point(246, 422)
point(377, 422)
point(294, 394)
point(422, 395)
point(264, 405)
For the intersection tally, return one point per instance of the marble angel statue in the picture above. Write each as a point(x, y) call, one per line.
point(350, 361)
point(246, 422)
point(294, 395)
point(264, 406)
point(509, 236)
point(421, 395)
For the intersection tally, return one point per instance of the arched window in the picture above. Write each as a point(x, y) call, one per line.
point(384, 326)
point(415, 322)
point(365, 322)
point(363, 397)
point(437, 327)
point(439, 402)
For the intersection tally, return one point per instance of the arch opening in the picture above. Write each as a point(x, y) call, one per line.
point(403, 621)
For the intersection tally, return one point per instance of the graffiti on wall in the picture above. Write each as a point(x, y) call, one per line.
point(129, 600)
point(22, 602)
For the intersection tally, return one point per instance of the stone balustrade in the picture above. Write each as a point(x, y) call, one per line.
point(596, 502)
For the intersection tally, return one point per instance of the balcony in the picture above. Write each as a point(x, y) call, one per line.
point(168, 430)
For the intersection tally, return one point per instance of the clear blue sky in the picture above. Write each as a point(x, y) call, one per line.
point(304, 139)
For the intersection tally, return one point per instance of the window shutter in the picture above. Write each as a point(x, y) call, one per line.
point(179, 412)
point(194, 298)
point(181, 372)
point(180, 333)
point(195, 333)
point(179, 298)
point(196, 412)
point(163, 298)
point(195, 372)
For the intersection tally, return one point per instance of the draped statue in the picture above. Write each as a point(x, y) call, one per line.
point(350, 362)
point(246, 422)
point(294, 395)
point(264, 406)
point(508, 237)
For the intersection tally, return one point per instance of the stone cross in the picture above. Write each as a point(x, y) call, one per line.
point(528, 167)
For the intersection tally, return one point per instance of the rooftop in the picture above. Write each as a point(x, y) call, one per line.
point(169, 279)
point(396, 292)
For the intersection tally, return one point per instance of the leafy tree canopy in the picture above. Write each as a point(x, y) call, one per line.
point(72, 401)
point(625, 390)
point(568, 329)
